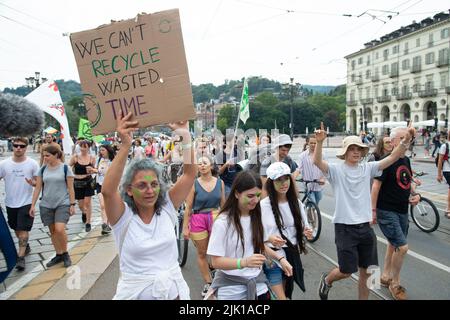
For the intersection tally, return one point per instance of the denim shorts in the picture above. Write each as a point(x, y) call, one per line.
point(315, 196)
point(394, 226)
point(273, 272)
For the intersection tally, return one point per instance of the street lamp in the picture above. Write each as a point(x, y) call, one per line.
point(34, 82)
point(293, 90)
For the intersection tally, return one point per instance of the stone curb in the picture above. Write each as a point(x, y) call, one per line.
point(90, 258)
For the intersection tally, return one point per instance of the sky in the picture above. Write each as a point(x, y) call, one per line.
point(223, 39)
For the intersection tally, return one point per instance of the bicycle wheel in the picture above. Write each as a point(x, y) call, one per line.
point(314, 219)
point(425, 215)
point(182, 243)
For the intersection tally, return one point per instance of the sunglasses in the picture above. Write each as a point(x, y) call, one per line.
point(22, 146)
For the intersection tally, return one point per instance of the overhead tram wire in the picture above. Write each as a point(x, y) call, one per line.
point(289, 10)
point(212, 19)
point(53, 36)
point(30, 16)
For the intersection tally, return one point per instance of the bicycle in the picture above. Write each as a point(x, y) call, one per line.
point(425, 215)
point(182, 244)
point(312, 211)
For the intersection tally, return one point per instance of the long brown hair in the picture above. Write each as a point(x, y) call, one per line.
point(245, 180)
point(293, 205)
point(379, 148)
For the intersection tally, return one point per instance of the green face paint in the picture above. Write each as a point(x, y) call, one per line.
point(149, 178)
point(280, 184)
point(246, 200)
point(258, 194)
point(157, 190)
point(136, 193)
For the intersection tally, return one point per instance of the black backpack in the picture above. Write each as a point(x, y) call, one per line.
point(445, 158)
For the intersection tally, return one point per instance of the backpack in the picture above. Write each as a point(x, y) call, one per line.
point(445, 158)
point(42, 175)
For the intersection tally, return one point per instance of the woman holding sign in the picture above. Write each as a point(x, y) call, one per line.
point(143, 214)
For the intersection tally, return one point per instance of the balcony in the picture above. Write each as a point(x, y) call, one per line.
point(428, 93)
point(352, 103)
point(404, 96)
point(375, 78)
point(394, 73)
point(366, 101)
point(383, 99)
point(416, 68)
point(442, 62)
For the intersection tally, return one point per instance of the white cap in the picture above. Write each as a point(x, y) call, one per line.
point(278, 169)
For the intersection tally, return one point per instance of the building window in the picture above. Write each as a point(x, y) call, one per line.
point(377, 55)
point(417, 42)
point(368, 60)
point(417, 61)
point(405, 64)
point(353, 77)
point(385, 70)
point(443, 57)
point(429, 58)
point(444, 79)
point(430, 40)
point(395, 49)
point(368, 74)
point(406, 48)
point(353, 64)
point(386, 54)
point(444, 33)
point(360, 60)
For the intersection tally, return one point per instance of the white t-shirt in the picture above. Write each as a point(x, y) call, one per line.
point(148, 248)
point(222, 243)
point(445, 164)
point(102, 167)
point(270, 226)
point(351, 187)
point(139, 153)
point(18, 192)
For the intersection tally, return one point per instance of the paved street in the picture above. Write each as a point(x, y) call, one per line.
point(426, 272)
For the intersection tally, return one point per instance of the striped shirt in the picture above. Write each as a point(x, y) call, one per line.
point(309, 170)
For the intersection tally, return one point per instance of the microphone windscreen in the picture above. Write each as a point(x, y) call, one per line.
point(19, 117)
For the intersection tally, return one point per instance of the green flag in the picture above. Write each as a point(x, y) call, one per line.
point(244, 109)
point(84, 129)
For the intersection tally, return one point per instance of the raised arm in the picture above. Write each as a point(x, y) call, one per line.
point(179, 192)
point(321, 135)
point(400, 150)
point(114, 205)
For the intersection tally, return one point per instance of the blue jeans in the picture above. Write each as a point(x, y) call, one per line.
point(315, 196)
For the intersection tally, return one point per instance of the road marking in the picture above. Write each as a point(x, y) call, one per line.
point(22, 282)
point(354, 276)
point(416, 255)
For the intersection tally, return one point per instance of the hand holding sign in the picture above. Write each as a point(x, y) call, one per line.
point(125, 128)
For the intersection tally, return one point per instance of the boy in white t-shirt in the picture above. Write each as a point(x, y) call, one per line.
point(354, 237)
point(19, 173)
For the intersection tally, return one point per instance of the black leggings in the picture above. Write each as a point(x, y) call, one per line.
point(264, 296)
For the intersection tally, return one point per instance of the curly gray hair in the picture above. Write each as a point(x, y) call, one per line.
point(130, 171)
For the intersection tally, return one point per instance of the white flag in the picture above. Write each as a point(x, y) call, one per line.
point(244, 108)
point(47, 97)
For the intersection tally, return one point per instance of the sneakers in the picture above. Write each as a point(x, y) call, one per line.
point(398, 292)
point(28, 249)
point(66, 259)
point(55, 260)
point(20, 265)
point(205, 289)
point(106, 229)
point(83, 217)
point(324, 288)
point(88, 227)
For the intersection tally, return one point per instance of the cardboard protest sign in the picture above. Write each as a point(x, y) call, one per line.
point(136, 65)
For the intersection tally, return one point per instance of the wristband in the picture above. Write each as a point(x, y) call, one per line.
point(281, 258)
point(239, 264)
point(73, 204)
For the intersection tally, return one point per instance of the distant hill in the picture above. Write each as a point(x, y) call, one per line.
point(68, 90)
point(319, 89)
